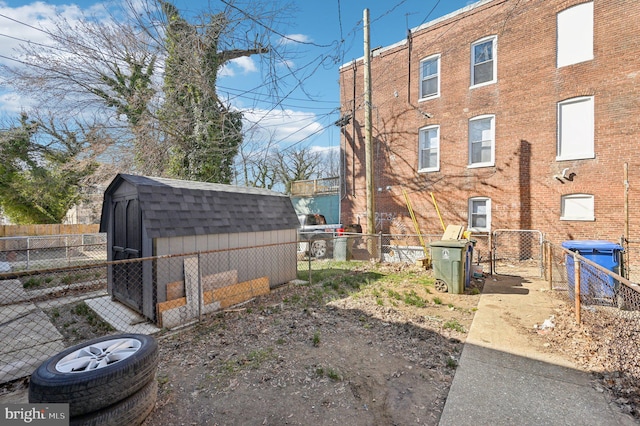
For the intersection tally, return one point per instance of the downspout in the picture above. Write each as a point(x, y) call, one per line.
point(353, 134)
point(409, 44)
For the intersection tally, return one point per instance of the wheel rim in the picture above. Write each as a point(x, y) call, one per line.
point(441, 286)
point(98, 355)
point(319, 248)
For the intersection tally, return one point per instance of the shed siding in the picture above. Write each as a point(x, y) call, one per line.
point(180, 217)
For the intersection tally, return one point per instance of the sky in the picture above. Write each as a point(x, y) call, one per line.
point(321, 35)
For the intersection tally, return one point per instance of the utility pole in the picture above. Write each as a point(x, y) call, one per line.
point(368, 148)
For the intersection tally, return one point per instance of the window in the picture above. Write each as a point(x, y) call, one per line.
point(481, 141)
point(429, 155)
point(577, 207)
point(430, 77)
point(483, 62)
point(575, 35)
point(576, 129)
point(480, 214)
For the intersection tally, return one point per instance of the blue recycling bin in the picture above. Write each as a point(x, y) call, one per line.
point(594, 283)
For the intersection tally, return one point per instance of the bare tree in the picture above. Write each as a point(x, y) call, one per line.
point(256, 163)
point(297, 164)
point(121, 70)
point(329, 162)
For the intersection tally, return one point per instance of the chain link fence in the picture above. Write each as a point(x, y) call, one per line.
point(517, 252)
point(589, 285)
point(631, 259)
point(51, 251)
point(46, 310)
point(75, 295)
point(607, 311)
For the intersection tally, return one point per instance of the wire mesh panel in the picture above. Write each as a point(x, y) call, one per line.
point(51, 251)
point(43, 311)
point(631, 260)
point(405, 248)
point(596, 285)
point(517, 252)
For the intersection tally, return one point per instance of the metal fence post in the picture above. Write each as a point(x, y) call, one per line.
point(549, 264)
point(309, 244)
point(28, 249)
point(200, 289)
point(576, 275)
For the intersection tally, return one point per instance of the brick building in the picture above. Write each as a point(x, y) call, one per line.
point(515, 114)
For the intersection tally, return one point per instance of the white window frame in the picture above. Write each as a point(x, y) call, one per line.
point(471, 226)
point(574, 29)
point(577, 207)
point(576, 140)
point(491, 161)
point(424, 97)
point(494, 58)
point(422, 131)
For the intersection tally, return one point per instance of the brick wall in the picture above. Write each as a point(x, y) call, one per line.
point(524, 193)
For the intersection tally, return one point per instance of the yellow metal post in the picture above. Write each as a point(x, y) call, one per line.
point(433, 198)
point(415, 222)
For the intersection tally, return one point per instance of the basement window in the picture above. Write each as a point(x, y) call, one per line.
point(577, 207)
point(480, 214)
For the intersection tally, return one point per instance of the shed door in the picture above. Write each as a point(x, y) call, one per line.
point(127, 244)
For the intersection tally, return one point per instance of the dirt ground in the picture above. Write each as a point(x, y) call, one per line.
point(378, 346)
point(375, 344)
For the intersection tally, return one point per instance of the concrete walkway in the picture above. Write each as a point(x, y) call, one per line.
point(505, 378)
point(28, 337)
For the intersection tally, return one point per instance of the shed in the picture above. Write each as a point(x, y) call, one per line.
point(250, 231)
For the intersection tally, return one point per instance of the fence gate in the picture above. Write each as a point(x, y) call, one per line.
point(517, 252)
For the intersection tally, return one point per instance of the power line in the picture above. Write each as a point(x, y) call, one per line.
point(270, 29)
point(430, 12)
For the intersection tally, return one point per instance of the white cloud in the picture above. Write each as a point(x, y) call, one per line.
point(281, 126)
point(12, 103)
point(25, 23)
point(28, 24)
point(295, 38)
point(244, 65)
point(324, 149)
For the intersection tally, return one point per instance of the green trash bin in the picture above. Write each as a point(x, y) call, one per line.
point(449, 260)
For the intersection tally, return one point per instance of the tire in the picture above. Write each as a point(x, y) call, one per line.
point(130, 411)
point(318, 249)
point(126, 363)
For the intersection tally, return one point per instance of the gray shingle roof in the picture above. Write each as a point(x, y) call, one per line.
point(172, 208)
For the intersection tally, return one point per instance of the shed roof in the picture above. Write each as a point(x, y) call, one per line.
point(174, 208)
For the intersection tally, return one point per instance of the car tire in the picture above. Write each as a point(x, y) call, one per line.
point(97, 373)
point(131, 411)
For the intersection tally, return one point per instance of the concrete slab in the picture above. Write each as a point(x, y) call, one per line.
point(121, 317)
point(11, 291)
point(30, 336)
point(497, 388)
point(33, 339)
point(504, 378)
